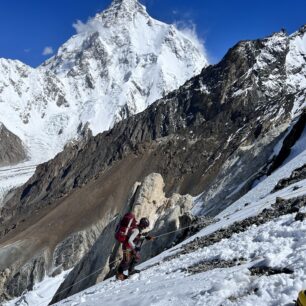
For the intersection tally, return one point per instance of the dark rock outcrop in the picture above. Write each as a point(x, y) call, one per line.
point(87, 272)
point(300, 216)
point(12, 149)
point(166, 215)
point(289, 141)
point(267, 271)
point(16, 281)
point(296, 176)
point(204, 266)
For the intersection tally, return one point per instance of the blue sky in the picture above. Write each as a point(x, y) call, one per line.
point(27, 27)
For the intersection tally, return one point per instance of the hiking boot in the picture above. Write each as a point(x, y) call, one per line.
point(121, 276)
point(135, 271)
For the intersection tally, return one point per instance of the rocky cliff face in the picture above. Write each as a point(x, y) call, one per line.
point(214, 135)
point(232, 112)
point(12, 149)
point(165, 214)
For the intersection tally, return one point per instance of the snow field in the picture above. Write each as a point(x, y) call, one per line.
point(42, 293)
point(280, 243)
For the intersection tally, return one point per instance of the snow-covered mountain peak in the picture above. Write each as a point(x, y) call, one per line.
point(126, 4)
point(121, 11)
point(276, 43)
point(117, 64)
point(302, 29)
point(125, 58)
point(300, 34)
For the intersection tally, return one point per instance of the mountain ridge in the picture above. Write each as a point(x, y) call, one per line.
point(213, 137)
point(200, 138)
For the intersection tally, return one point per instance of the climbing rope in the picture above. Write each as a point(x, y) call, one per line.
point(79, 281)
point(113, 262)
point(158, 236)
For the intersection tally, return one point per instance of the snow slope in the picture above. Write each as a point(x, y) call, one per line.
point(280, 243)
point(41, 292)
point(13, 176)
point(117, 64)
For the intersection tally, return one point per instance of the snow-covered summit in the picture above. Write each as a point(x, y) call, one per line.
point(126, 59)
point(122, 10)
point(117, 64)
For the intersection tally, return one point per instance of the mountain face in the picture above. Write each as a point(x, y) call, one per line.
point(11, 148)
point(165, 215)
point(215, 135)
point(230, 113)
point(116, 65)
point(126, 60)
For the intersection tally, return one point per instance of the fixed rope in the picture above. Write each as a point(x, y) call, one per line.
point(113, 262)
point(157, 236)
point(79, 281)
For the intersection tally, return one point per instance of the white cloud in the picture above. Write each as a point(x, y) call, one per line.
point(188, 27)
point(92, 25)
point(47, 50)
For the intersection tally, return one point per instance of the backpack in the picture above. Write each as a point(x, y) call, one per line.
point(124, 228)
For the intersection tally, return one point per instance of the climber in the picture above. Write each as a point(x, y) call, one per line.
point(131, 243)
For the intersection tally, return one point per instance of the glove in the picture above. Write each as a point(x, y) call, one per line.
point(150, 238)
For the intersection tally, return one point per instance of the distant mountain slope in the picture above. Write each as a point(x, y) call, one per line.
point(117, 64)
point(12, 150)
